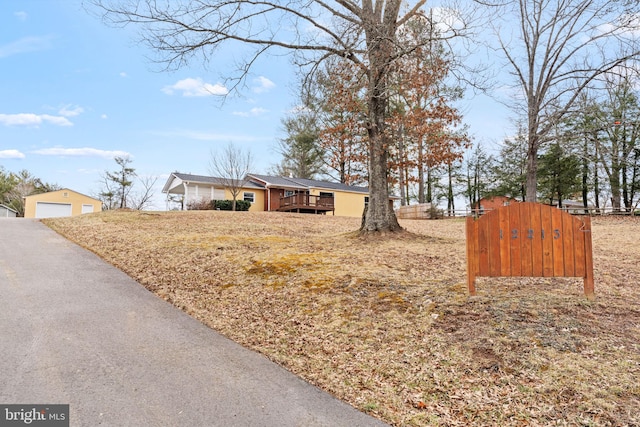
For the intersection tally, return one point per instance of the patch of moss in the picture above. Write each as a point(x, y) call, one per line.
point(284, 265)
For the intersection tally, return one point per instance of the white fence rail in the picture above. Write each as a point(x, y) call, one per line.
point(425, 211)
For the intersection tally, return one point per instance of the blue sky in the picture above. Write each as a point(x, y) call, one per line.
point(74, 93)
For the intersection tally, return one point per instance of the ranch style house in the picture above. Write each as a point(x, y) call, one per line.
point(273, 193)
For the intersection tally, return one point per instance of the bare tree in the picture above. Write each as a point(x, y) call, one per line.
point(143, 199)
point(231, 165)
point(117, 186)
point(558, 49)
point(107, 194)
point(361, 32)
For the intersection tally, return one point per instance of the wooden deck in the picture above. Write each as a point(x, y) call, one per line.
point(305, 203)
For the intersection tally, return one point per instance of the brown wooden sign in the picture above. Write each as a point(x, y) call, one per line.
point(530, 240)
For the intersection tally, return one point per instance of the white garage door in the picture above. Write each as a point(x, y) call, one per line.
point(87, 209)
point(52, 210)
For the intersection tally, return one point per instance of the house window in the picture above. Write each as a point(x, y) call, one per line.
point(288, 193)
point(326, 194)
point(249, 197)
point(366, 201)
point(65, 194)
point(217, 193)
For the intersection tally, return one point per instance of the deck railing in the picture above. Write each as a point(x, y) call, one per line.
point(306, 200)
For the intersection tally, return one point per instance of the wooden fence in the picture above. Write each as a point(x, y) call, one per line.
point(529, 240)
point(418, 211)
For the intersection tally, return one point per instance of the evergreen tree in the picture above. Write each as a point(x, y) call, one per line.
point(478, 169)
point(559, 175)
point(619, 141)
point(117, 184)
point(302, 156)
point(509, 169)
point(7, 182)
point(14, 187)
point(582, 132)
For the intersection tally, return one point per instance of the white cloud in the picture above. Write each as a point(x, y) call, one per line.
point(298, 109)
point(104, 116)
point(82, 152)
point(263, 84)
point(21, 15)
point(11, 154)
point(448, 20)
point(195, 87)
point(25, 44)
point(70, 111)
point(254, 112)
point(123, 74)
point(56, 120)
point(625, 25)
point(30, 119)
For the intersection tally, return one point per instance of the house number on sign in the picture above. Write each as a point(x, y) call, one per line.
point(515, 233)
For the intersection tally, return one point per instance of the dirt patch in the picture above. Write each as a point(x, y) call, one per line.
point(386, 324)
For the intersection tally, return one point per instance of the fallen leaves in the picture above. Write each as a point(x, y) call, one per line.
point(386, 324)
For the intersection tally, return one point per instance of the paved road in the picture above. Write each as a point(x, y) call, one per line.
point(74, 330)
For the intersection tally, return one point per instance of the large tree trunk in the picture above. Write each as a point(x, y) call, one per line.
point(379, 216)
point(624, 173)
point(451, 207)
point(614, 183)
point(531, 184)
point(429, 186)
point(404, 195)
point(635, 183)
point(420, 170)
point(532, 178)
point(380, 33)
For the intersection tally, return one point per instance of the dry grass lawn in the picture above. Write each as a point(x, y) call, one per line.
point(386, 324)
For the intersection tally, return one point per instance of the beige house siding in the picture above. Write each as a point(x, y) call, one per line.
point(345, 203)
point(257, 205)
point(62, 197)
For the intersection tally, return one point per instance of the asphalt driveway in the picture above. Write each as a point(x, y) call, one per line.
point(75, 330)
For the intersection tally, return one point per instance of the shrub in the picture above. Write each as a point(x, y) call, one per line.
point(435, 213)
point(226, 205)
point(220, 205)
point(199, 205)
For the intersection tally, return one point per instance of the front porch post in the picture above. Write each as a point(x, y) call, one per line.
point(186, 195)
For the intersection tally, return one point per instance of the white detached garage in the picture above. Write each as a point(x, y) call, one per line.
point(60, 203)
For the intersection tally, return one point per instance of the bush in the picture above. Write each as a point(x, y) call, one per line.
point(219, 205)
point(435, 213)
point(226, 205)
point(199, 205)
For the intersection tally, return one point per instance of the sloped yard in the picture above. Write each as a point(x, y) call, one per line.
point(387, 324)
